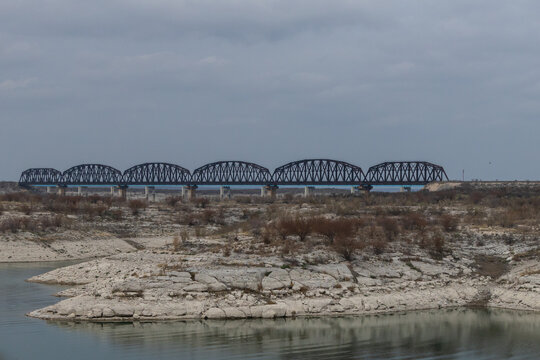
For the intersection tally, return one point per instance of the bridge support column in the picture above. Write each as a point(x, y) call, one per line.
point(80, 190)
point(308, 191)
point(149, 190)
point(61, 190)
point(362, 189)
point(191, 191)
point(122, 191)
point(225, 192)
point(270, 191)
point(112, 190)
point(263, 191)
point(50, 190)
point(405, 189)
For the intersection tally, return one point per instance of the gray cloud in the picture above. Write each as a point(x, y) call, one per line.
point(122, 82)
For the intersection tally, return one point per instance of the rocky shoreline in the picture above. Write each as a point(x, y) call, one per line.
point(150, 285)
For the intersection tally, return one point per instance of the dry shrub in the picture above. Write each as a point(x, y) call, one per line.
point(172, 201)
point(268, 234)
point(200, 202)
point(332, 228)
point(376, 237)
point(390, 227)
point(15, 224)
point(177, 243)
point(414, 221)
point(298, 226)
point(289, 247)
point(243, 199)
point(448, 222)
point(114, 214)
point(1, 209)
point(284, 227)
point(26, 208)
point(136, 206)
point(11, 224)
point(476, 197)
point(434, 244)
point(346, 246)
point(379, 246)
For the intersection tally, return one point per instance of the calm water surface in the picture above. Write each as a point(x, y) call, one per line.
point(446, 334)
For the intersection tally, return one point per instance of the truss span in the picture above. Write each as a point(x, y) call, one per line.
point(231, 173)
point(318, 172)
point(303, 172)
point(157, 174)
point(92, 174)
point(405, 173)
point(40, 176)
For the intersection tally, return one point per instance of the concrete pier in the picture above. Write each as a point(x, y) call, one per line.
point(122, 191)
point(362, 189)
point(405, 189)
point(270, 191)
point(50, 190)
point(150, 190)
point(80, 190)
point(225, 192)
point(191, 191)
point(61, 190)
point(308, 191)
point(112, 190)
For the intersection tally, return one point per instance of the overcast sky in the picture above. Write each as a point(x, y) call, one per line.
point(190, 82)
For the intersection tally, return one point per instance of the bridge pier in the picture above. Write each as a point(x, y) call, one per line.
point(80, 190)
point(50, 190)
point(225, 192)
point(122, 191)
point(61, 190)
point(405, 189)
point(308, 191)
point(190, 191)
point(362, 189)
point(150, 190)
point(269, 191)
point(112, 190)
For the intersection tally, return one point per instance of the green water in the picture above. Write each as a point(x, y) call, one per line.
point(441, 334)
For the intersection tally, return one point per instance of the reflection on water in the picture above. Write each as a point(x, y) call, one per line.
point(441, 334)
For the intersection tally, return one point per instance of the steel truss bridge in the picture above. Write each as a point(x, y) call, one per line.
point(225, 173)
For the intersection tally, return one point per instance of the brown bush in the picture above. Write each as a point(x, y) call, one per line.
point(346, 246)
point(268, 234)
point(172, 201)
point(390, 227)
point(476, 197)
point(434, 244)
point(114, 214)
point(414, 221)
point(200, 202)
point(136, 206)
point(284, 227)
point(298, 226)
point(332, 228)
point(26, 208)
point(10, 224)
point(448, 222)
point(243, 199)
point(177, 243)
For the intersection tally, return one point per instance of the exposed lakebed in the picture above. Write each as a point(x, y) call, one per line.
point(441, 334)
